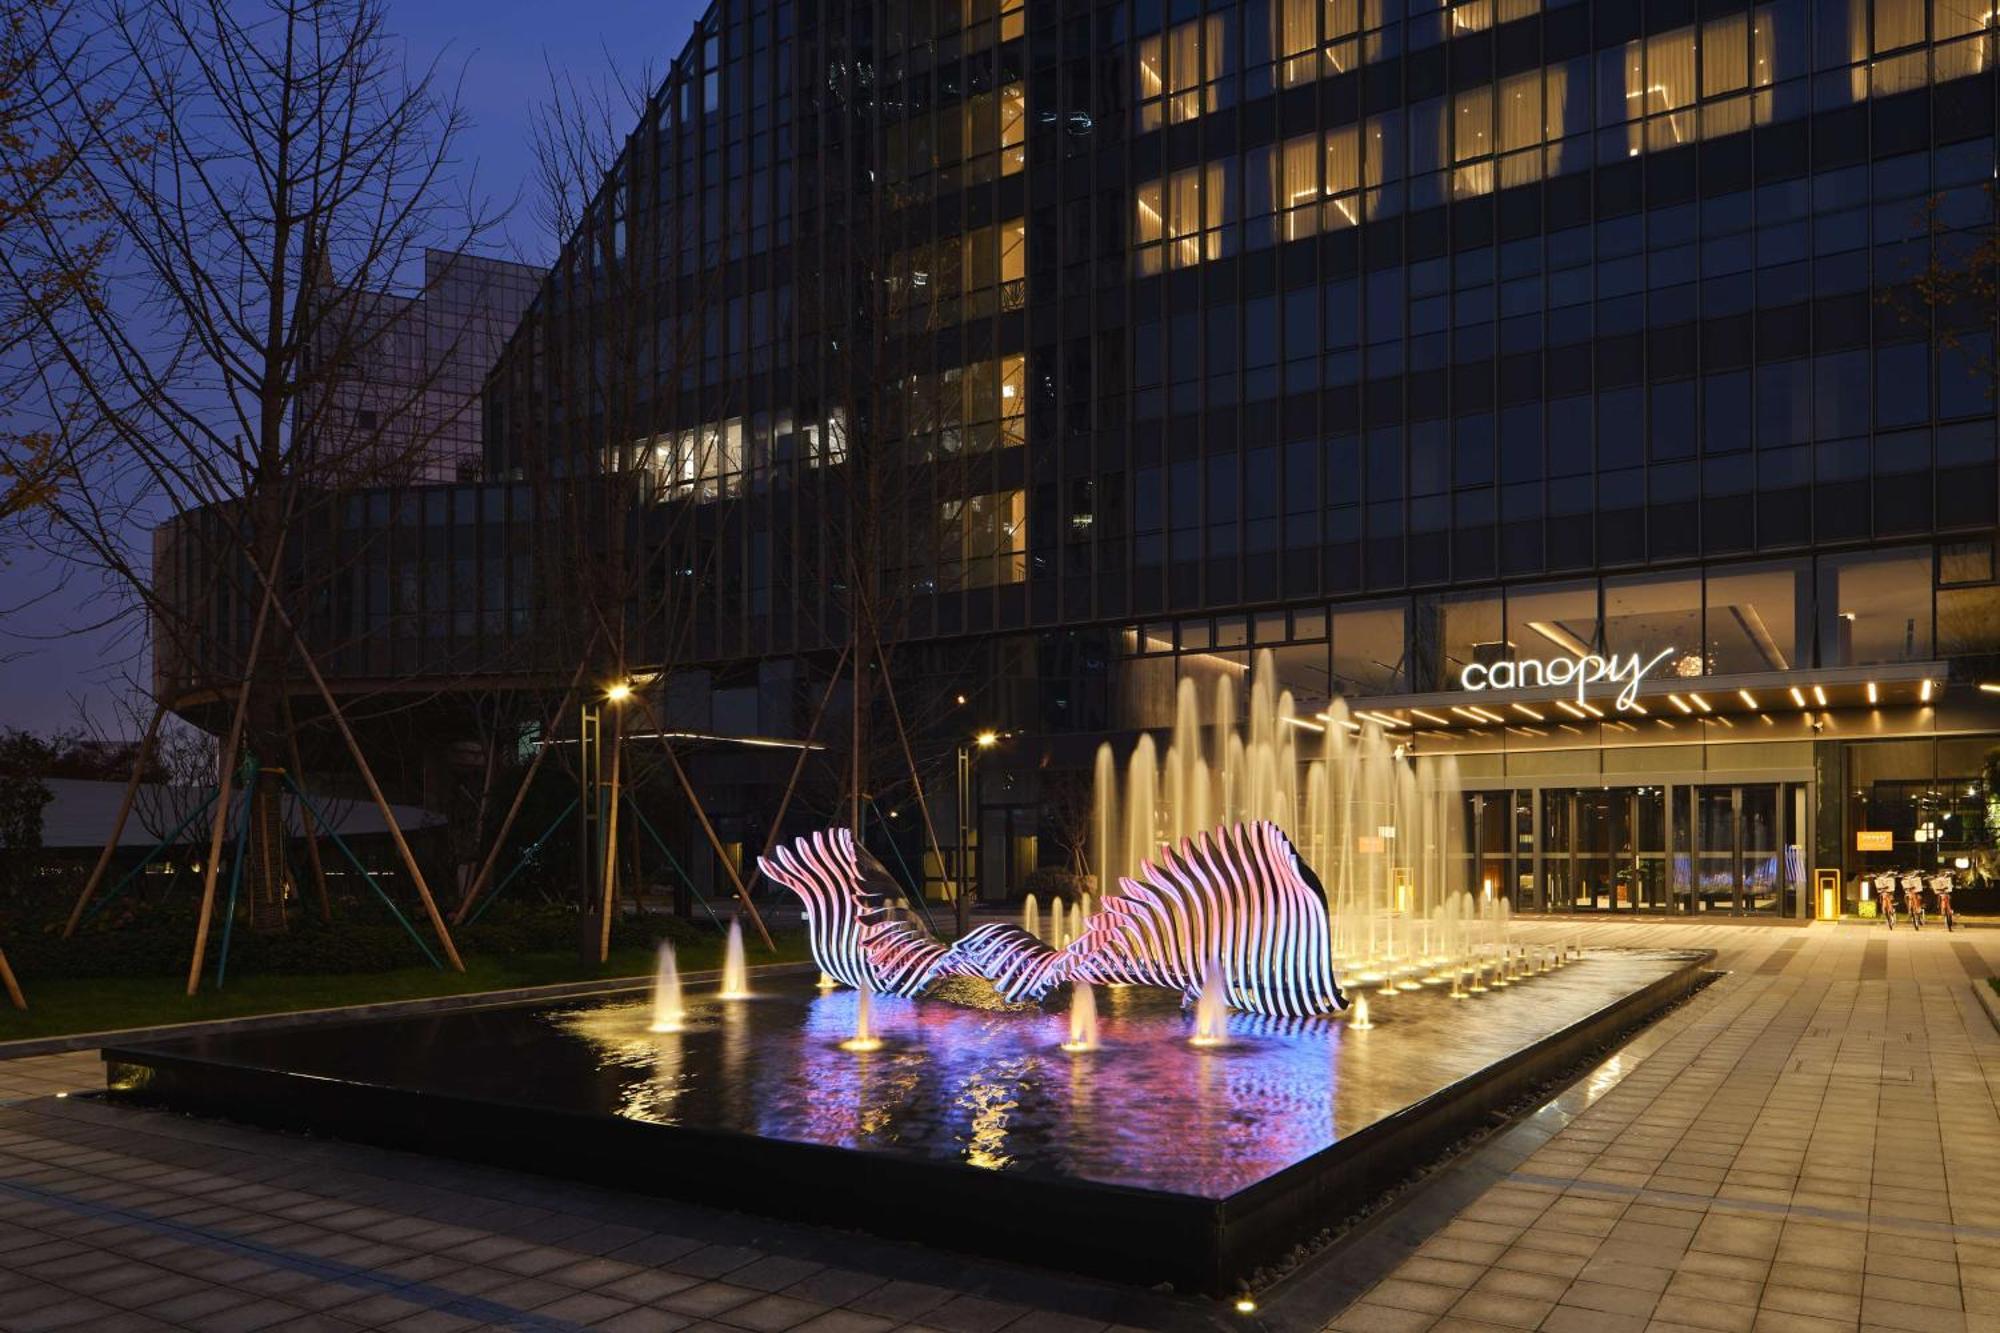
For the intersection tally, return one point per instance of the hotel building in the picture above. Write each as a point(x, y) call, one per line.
point(1108, 344)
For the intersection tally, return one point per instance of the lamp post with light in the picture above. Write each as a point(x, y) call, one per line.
point(967, 751)
point(598, 851)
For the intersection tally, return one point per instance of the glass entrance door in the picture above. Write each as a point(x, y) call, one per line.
point(1741, 846)
point(1762, 887)
point(1604, 849)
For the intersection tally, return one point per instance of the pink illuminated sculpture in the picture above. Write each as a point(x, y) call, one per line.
point(849, 927)
point(1238, 896)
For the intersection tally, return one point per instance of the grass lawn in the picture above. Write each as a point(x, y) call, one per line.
point(95, 1004)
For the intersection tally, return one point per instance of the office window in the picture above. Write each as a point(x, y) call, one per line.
point(985, 538)
point(1554, 620)
point(1752, 621)
point(1649, 614)
point(1369, 650)
point(1473, 630)
point(1877, 606)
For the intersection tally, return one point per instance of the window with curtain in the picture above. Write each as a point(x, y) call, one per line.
point(1184, 73)
point(1565, 112)
point(1297, 33)
point(1301, 186)
point(1472, 142)
point(1898, 23)
point(1725, 55)
point(1960, 18)
point(1343, 177)
point(1148, 226)
point(1149, 77)
point(1184, 218)
point(1343, 21)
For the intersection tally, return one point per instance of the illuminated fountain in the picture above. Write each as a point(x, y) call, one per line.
point(1211, 1008)
point(735, 974)
point(1244, 876)
point(668, 1011)
point(1384, 833)
point(864, 1038)
point(1082, 1019)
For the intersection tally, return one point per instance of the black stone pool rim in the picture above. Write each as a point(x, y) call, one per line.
point(1141, 1236)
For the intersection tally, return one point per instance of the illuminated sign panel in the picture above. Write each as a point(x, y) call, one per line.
point(1563, 672)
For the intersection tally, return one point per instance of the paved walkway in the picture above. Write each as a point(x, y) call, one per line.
point(1812, 1143)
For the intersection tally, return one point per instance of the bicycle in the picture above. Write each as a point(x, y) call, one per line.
point(1913, 900)
point(1941, 890)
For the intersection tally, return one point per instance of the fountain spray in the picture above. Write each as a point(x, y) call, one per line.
point(1082, 1020)
point(735, 973)
point(668, 1011)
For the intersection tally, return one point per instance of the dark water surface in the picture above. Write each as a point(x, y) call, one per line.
point(961, 1077)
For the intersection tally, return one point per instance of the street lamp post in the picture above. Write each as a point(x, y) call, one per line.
point(967, 751)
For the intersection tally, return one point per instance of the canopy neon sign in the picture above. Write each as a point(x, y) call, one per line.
point(1562, 672)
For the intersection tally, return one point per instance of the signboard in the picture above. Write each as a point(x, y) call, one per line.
point(1562, 672)
point(1878, 840)
point(1368, 845)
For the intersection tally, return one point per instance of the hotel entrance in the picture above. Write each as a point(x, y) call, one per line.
point(1693, 849)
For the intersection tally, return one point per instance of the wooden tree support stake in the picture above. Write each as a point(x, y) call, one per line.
point(478, 885)
point(14, 996)
point(409, 858)
point(736, 880)
point(223, 782)
point(117, 824)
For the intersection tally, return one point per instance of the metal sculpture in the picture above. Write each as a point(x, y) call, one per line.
point(851, 929)
point(1238, 896)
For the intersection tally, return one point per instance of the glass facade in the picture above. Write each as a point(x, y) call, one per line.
point(1110, 343)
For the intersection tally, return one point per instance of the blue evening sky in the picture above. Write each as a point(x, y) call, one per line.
point(56, 658)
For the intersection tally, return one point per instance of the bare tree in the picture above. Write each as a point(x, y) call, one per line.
point(41, 191)
point(267, 171)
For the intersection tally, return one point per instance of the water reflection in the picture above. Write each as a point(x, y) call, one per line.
point(989, 1084)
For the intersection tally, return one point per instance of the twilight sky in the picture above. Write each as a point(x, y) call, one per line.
point(57, 659)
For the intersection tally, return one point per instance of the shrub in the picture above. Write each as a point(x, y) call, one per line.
point(1055, 882)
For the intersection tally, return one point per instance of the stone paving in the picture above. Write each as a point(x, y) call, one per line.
point(1812, 1143)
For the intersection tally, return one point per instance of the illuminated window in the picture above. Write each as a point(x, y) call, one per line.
point(1190, 211)
point(1298, 40)
point(984, 539)
point(1899, 23)
point(1179, 76)
point(1013, 128)
point(702, 463)
point(1148, 225)
point(1343, 178)
point(1472, 139)
point(1301, 191)
point(993, 258)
